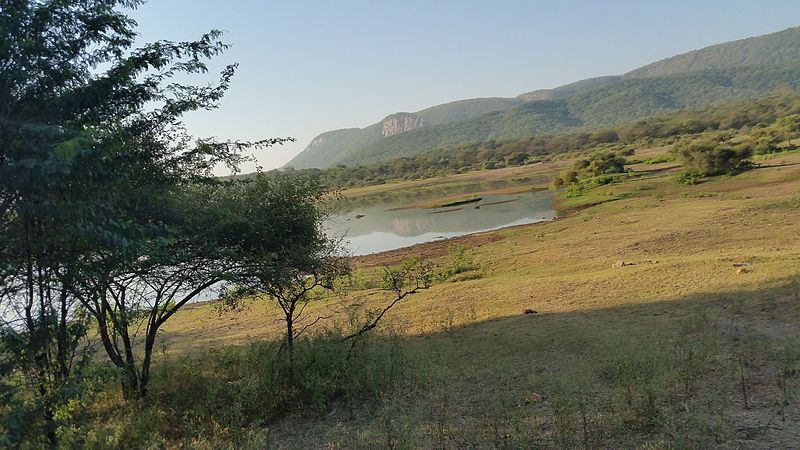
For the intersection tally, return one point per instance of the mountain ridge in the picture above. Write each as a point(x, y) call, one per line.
point(731, 70)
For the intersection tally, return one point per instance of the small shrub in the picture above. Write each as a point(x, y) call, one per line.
point(688, 177)
point(462, 260)
point(597, 166)
point(575, 190)
point(659, 159)
point(467, 276)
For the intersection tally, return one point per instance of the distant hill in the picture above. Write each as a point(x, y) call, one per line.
point(569, 89)
point(741, 69)
point(766, 50)
point(330, 147)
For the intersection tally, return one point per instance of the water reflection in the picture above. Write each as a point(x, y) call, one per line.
point(377, 228)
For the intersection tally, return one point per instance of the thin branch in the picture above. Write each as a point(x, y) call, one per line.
point(374, 322)
point(297, 335)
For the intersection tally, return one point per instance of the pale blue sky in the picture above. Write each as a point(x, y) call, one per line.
point(313, 66)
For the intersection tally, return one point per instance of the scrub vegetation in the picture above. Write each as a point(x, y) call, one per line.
point(660, 310)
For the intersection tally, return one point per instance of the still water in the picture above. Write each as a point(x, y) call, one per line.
point(380, 227)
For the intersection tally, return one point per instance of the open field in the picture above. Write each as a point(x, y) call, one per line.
point(685, 344)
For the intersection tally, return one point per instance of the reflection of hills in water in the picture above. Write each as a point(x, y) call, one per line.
point(380, 229)
point(413, 227)
point(399, 197)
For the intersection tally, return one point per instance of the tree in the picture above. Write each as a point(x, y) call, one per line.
point(710, 156)
point(307, 262)
point(413, 274)
point(93, 151)
point(136, 291)
point(48, 109)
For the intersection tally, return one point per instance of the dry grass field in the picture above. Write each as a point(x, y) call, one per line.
point(667, 316)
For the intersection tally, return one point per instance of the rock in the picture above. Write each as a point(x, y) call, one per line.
point(533, 397)
point(741, 264)
point(621, 263)
point(358, 216)
point(530, 311)
point(743, 270)
point(400, 123)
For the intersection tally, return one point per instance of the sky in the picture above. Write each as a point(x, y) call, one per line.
point(306, 67)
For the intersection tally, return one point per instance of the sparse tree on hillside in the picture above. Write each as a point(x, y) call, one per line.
point(413, 275)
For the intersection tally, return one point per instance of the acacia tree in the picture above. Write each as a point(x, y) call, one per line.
point(132, 294)
point(93, 151)
point(411, 276)
point(713, 155)
point(301, 265)
point(47, 113)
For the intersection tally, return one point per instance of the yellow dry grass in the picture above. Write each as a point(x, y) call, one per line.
point(683, 248)
point(682, 241)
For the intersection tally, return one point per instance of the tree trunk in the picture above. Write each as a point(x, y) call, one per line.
point(129, 383)
point(290, 346)
point(144, 377)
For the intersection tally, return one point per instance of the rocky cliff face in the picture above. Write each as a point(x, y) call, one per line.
point(316, 142)
point(541, 94)
point(400, 123)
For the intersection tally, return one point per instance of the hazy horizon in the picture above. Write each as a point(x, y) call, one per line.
point(306, 70)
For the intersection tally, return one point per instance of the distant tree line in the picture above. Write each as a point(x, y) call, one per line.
point(769, 121)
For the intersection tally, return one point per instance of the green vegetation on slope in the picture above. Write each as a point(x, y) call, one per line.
point(747, 68)
point(610, 105)
point(767, 122)
point(325, 150)
point(524, 120)
point(569, 89)
point(465, 109)
point(769, 49)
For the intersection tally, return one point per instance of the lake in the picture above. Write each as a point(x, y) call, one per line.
point(381, 226)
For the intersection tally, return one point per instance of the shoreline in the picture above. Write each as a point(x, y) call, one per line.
point(430, 249)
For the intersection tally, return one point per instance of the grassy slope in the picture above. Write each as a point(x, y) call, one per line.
point(488, 359)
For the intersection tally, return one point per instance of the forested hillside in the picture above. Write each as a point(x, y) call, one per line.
point(756, 118)
point(325, 149)
point(742, 69)
point(769, 49)
point(618, 103)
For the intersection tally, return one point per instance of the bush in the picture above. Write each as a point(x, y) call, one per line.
point(462, 260)
point(687, 177)
point(598, 164)
point(659, 159)
point(235, 388)
point(709, 157)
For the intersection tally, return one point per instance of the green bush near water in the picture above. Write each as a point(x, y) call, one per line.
point(461, 262)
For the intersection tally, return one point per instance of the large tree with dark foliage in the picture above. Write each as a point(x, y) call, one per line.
point(102, 213)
